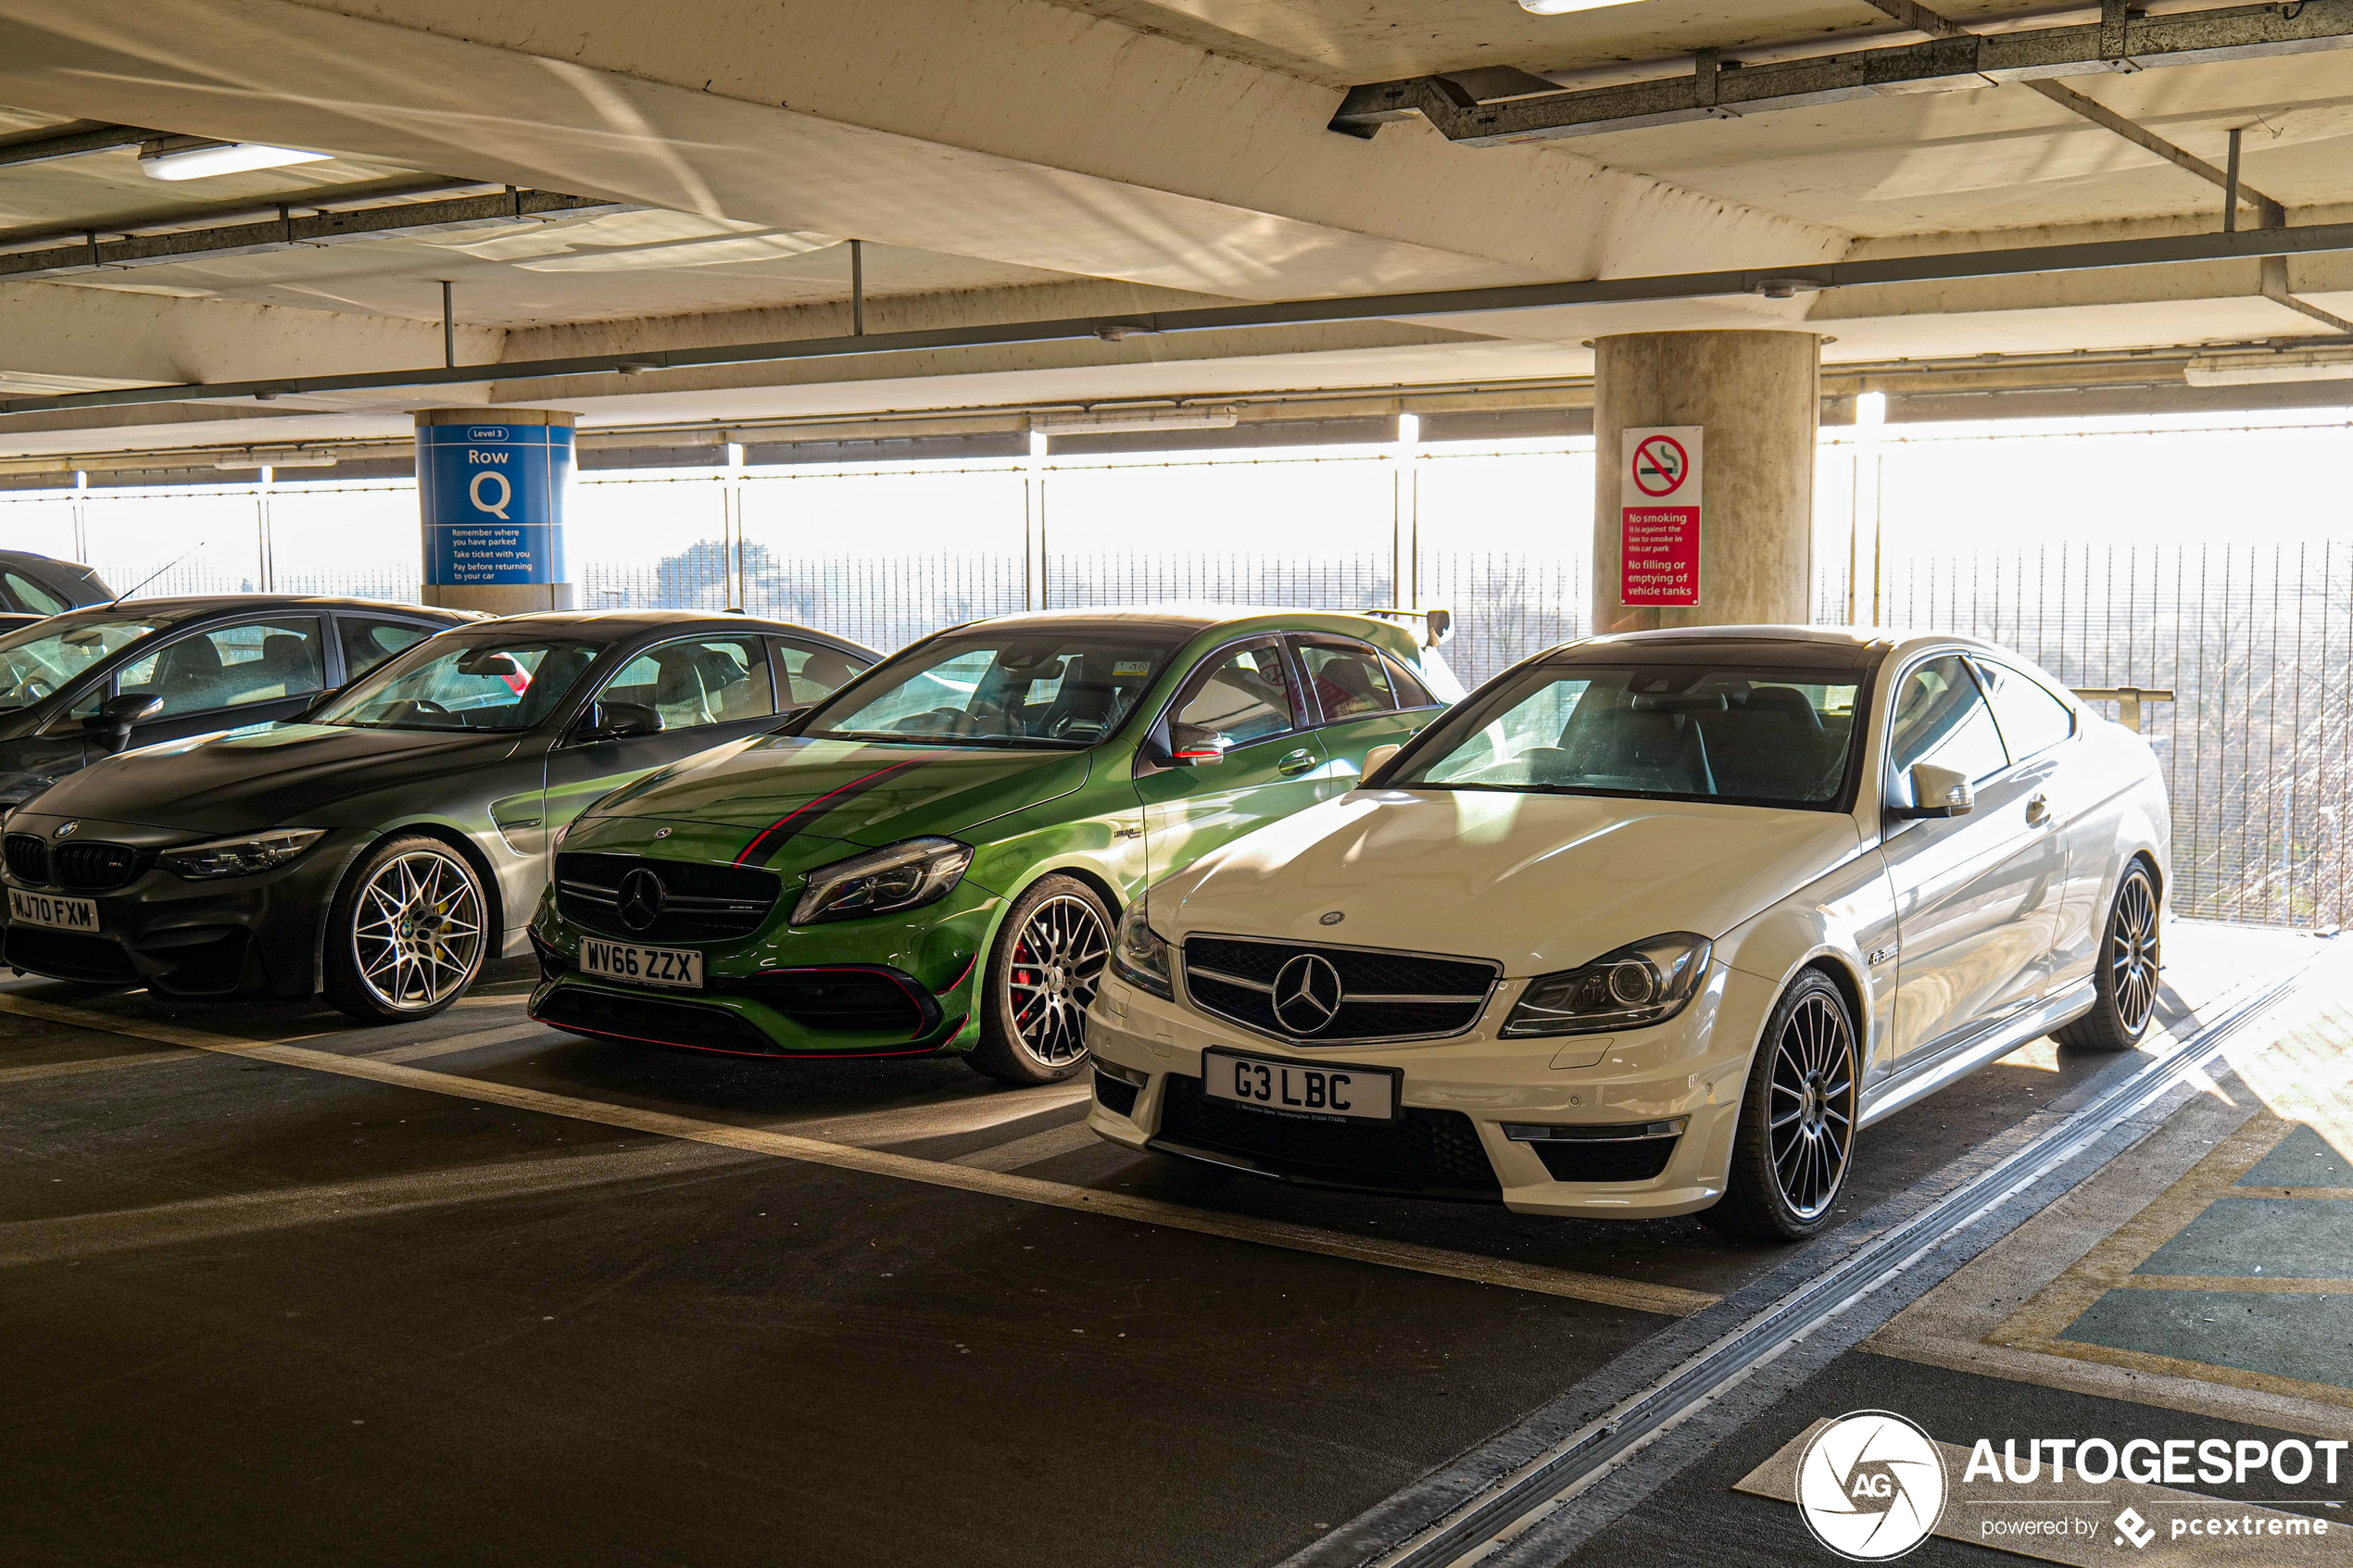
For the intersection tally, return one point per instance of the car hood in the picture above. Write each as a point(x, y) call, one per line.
point(268, 775)
point(783, 785)
point(1538, 883)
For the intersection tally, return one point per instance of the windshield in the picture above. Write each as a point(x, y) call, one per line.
point(1749, 737)
point(1002, 686)
point(509, 683)
point(36, 661)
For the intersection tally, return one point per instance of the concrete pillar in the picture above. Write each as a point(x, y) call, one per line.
point(1758, 396)
point(493, 488)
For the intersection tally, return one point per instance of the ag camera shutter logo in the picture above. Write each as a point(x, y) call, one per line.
point(1870, 1487)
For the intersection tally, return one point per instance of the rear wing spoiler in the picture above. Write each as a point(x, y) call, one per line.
point(1429, 627)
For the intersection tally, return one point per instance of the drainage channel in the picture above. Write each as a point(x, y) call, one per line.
point(1507, 1506)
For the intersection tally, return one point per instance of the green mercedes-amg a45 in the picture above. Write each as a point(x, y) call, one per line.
point(934, 859)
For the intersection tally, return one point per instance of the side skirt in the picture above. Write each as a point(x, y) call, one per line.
point(1894, 1093)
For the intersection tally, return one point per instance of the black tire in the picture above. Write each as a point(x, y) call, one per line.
point(1796, 1138)
point(1042, 973)
point(407, 932)
point(2124, 980)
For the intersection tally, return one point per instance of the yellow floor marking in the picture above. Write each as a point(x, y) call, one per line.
point(935, 1118)
point(1667, 1300)
point(1030, 1150)
point(2257, 1285)
point(453, 1043)
point(90, 1064)
point(66, 1236)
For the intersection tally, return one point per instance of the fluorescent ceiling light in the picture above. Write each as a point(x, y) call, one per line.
point(1562, 7)
point(2261, 369)
point(1108, 421)
point(197, 158)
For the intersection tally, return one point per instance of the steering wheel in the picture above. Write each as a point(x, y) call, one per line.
point(1063, 728)
point(32, 688)
point(426, 704)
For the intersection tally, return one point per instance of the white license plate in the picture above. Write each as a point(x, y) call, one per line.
point(1291, 1088)
point(642, 966)
point(47, 909)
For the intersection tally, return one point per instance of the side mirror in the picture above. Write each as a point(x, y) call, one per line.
point(113, 722)
point(1377, 759)
point(620, 720)
point(1937, 792)
point(1195, 746)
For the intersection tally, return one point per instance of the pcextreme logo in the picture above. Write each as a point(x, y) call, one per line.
point(1870, 1487)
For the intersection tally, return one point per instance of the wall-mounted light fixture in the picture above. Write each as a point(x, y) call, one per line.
point(2262, 369)
point(1107, 422)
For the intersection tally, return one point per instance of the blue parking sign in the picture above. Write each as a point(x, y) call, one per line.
point(494, 498)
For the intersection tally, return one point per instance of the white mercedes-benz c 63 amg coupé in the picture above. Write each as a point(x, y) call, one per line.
point(1649, 924)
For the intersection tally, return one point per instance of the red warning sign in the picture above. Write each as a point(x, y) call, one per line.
point(1659, 521)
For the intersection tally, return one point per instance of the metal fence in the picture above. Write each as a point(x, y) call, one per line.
point(2114, 555)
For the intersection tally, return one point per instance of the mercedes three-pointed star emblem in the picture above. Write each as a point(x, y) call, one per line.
point(640, 900)
point(1307, 995)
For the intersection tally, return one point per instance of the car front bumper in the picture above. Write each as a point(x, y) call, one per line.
point(192, 937)
point(886, 986)
point(1569, 1124)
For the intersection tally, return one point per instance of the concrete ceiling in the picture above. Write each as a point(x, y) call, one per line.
point(1019, 159)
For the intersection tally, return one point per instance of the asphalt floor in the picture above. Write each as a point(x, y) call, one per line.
point(279, 1290)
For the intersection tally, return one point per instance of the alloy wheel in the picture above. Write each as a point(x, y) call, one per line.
point(2133, 953)
point(416, 931)
point(1057, 966)
point(1811, 1106)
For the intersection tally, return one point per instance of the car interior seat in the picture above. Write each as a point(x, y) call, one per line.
point(824, 672)
point(1344, 689)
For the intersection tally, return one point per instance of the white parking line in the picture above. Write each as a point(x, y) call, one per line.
point(1667, 1300)
point(451, 1045)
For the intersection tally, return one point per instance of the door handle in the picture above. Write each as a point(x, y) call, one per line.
point(1296, 762)
point(2038, 810)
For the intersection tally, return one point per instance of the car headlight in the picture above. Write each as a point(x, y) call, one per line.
point(1138, 955)
point(241, 857)
point(901, 876)
point(1638, 985)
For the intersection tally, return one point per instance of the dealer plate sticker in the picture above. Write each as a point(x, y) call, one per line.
point(1294, 1088)
point(642, 966)
point(47, 909)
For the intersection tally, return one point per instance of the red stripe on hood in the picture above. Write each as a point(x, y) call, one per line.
point(771, 838)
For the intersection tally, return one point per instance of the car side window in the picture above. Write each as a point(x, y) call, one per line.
point(1242, 693)
point(1410, 693)
point(227, 667)
point(1943, 720)
point(30, 597)
point(368, 643)
point(1349, 679)
point(816, 673)
point(2031, 719)
point(698, 681)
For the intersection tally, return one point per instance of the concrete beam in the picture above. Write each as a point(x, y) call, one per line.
point(2126, 41)
point(71, 141)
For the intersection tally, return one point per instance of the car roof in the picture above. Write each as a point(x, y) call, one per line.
point(623, 623)
point(1193, 617)
point(183, 609)
point(1829, 647)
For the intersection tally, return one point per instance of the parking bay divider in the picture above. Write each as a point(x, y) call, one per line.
point(1602, 1290)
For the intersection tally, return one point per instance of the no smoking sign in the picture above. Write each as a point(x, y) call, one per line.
point(1659, 519)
